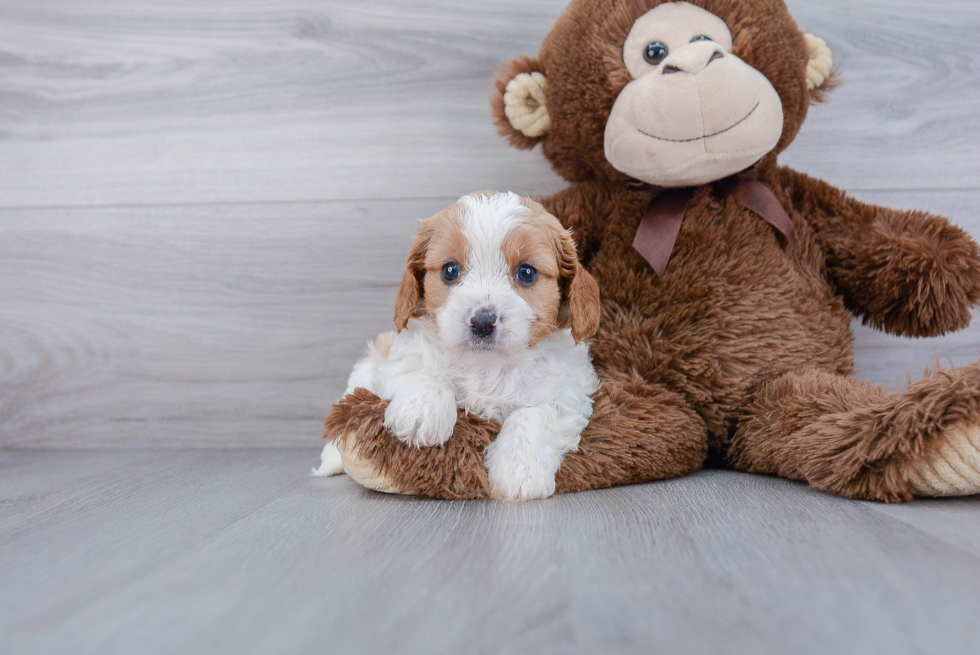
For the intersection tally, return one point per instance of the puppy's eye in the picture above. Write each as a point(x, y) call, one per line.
point(700, 38)
point(526, 274)
point(450, 272)
point(655, 53)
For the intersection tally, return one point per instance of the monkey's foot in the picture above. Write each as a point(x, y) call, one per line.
point(365, 473)
point(950, 465)
point(379, 461)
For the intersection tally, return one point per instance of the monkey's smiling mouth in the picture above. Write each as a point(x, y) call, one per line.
point(705, 136)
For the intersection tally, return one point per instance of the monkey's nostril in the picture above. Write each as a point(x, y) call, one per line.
point(670, 70)
point(718, 55)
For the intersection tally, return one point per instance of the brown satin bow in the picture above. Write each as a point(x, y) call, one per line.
point(662, 221)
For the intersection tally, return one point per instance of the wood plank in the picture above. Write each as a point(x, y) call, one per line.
point(224, 325)
point(239, 551)
point(232, 325)
point(952, 520)
point(31, 484)
point(898, 110)
point(301, 100)
point(256, 101)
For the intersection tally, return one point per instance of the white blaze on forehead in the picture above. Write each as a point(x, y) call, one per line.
point(486, 222)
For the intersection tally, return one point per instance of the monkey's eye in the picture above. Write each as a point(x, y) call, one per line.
point(450, 272)
point(526, 274)
point(700, 38)
point(655, 53)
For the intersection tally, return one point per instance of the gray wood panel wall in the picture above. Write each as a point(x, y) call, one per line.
point(204, 206)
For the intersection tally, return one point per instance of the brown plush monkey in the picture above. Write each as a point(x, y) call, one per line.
point(667, 118)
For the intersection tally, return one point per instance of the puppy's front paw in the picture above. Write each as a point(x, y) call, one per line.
point(521, 463)
point(422, 415)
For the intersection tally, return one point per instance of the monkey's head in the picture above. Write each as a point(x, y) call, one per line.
point(673, 94)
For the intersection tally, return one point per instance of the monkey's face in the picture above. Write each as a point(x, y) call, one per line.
point(693, 112)
point(671, 93)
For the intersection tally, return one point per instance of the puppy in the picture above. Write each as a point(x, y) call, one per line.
point(491, 317)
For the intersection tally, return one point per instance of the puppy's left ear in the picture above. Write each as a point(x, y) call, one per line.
point(411, 288)
point(580, 293)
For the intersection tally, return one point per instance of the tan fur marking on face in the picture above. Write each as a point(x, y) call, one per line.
point(409, 295)
point(579, 303)
point(536, 242)
point(447, 244)
point(438, 236)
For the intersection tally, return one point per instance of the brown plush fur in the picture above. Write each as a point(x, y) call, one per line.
point(638, 449)
point(850, 437)
point(741, 351)
point(453, 470)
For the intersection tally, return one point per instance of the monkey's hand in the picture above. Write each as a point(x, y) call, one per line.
point(908, 273)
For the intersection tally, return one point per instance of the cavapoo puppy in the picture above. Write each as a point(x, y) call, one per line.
point(492, 314)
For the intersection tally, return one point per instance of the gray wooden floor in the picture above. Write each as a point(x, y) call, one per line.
point(204, 207)
point(238, 551)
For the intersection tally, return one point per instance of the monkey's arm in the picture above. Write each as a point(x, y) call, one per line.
point(584, 209)
point(908, 273)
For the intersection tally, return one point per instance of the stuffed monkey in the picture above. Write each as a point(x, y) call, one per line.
point(728, 282)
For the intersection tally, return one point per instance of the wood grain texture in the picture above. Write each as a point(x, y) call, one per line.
point(103, 103)
point(233, 325)
point(151, 291)
point(177, 325)
point(239, 552)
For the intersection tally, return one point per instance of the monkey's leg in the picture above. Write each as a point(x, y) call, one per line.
point(637, 432)
point(857, 440)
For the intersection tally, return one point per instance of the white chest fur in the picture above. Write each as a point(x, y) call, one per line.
point(556, 373)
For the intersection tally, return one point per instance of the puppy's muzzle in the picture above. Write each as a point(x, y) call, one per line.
point(483, 323)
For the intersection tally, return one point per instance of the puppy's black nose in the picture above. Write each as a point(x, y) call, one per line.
point(483, 323)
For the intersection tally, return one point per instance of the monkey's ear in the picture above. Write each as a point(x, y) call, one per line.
point(411, 288)
point(820, 73)
point(518, 102)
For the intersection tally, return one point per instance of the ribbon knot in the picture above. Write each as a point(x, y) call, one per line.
point(661, 223)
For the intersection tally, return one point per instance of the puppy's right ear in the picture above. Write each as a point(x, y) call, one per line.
point(518, 102)
point(411, 288)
